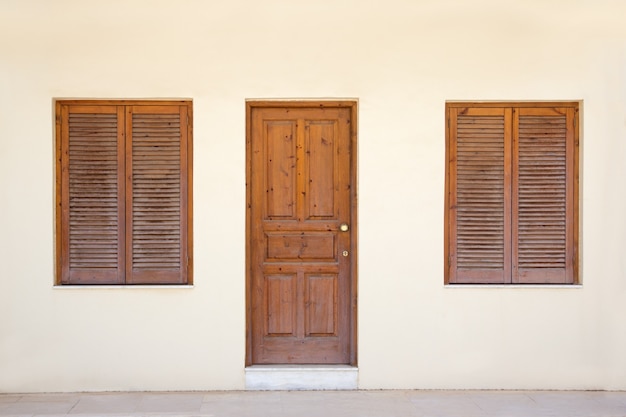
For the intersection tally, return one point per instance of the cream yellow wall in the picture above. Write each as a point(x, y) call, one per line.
point(402, 59)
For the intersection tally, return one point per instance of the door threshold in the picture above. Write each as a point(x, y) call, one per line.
point(301, 377)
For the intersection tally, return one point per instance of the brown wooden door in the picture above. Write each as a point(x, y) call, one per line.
point(301, 287)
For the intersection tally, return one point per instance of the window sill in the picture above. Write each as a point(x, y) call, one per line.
point(516, 286)
point(124, 287)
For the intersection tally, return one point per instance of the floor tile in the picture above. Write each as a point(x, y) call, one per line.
point(579, 404)
point(35, 408)
point(505, 403)
point(170, 402)
point(445, 403)
point(107, 403)
point(9, 398)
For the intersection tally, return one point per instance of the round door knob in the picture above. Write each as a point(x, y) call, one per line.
point(344, 227)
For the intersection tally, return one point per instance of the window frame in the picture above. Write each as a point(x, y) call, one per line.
point(572, 219)
point(125, 109)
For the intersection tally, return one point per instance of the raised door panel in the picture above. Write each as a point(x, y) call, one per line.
point(319, 178)
point(299, 246)
point(321, 305)
point(280, 171)
point(281, 297)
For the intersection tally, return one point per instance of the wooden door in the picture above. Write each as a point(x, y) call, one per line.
point(301, 254)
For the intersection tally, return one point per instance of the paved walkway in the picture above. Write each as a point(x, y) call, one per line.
point(320, 403)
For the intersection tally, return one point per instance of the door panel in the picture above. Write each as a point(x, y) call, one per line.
point(281, 304)
point(321, 305)
point(279, 165)
point(301, 283)
point(320, 178)
point(300, 246)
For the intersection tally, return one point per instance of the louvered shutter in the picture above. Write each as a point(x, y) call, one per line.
point(512, 192)
point(543, 195)
point(157, 203)
point(92, 195)
point(479, 244)
point(123, 192)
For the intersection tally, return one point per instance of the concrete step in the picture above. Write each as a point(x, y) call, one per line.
point(302, 377)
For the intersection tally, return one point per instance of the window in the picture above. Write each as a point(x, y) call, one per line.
point(511, 193)
point(123, 192)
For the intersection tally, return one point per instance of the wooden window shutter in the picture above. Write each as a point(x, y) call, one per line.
point(157, 210)
point(511, 193)
point(123, 192)
point(543, 195)
point(91, 230)
point(479, 244)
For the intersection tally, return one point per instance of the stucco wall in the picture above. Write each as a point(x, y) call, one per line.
point(402, 59)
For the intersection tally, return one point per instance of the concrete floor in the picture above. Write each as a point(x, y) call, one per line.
point(320, 403)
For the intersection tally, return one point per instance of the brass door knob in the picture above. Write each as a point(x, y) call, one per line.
point(344, 227)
